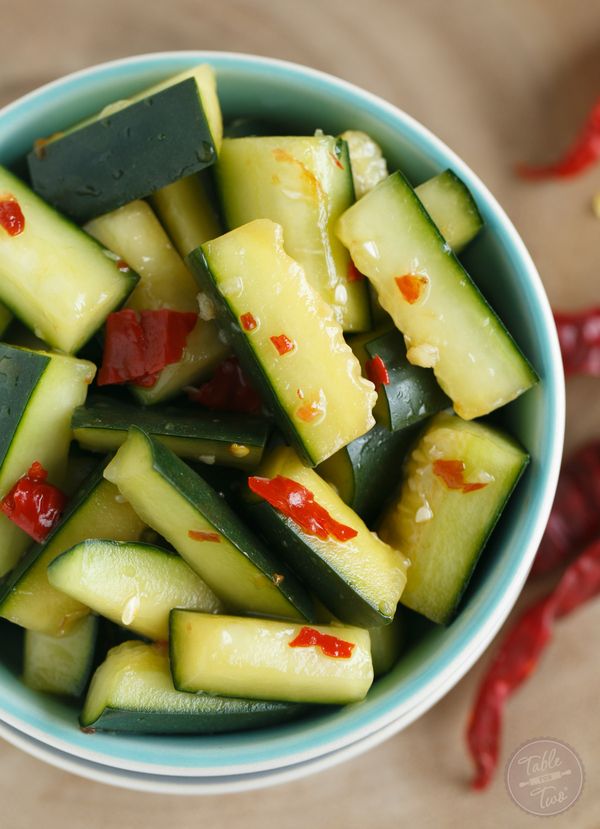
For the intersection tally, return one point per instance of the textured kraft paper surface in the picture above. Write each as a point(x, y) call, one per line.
point(500, 81)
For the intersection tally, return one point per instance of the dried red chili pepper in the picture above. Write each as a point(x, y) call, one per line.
point(298, 503)
point(518, 656)
point(228, 391)
point(452, 473)
point(377, 372)
point(282, 343)
point(138, 346)
point(579, 336)
point(329, 645)
point(33, 504)
point(199, 535)
point(11, 216)
point(582, 154)
point(575, 515)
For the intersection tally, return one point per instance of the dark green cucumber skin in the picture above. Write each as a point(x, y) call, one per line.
point(375, 464)
point(20, 372)
point(84, 679)
point(259, 715)
point(191, 486)
point(455, 601)
point(84, 492)
point(125, 156)
point(104, 413)
point(412, 393)
point(252, 366)
point(327, 585)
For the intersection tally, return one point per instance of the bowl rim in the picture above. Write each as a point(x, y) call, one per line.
point(459, 656)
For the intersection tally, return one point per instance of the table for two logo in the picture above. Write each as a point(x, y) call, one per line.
point(544, 776)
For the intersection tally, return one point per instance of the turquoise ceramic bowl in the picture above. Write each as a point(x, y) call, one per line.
point(302, 100)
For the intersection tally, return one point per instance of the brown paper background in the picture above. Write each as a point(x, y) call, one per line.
point(499, 81)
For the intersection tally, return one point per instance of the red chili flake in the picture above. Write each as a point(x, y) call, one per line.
point(411, 286)
point(353, 274)
point(329, 645)
point(336, 161)
point(298, 503)
point(575, 515)
point(579, 336)
point(198, 535)
point(248, 321)
point(11, 215)
point(283, 344)
point(452, 473)
point(519, 654)
point(310, 411)
point(33, 504)
point(228, 391)
point(584, 152)
point(123, 266)
point(138, 347)
point(377, 372)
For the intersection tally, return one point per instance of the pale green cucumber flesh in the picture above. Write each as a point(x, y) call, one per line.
point(452, 208)
point(60, 664)
point(133, 584)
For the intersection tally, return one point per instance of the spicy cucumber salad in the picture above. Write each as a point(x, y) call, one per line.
point(242, 377)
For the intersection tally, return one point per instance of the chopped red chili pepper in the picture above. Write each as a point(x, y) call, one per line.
point(228, 391)
point(33, 504)
point(336, 161)
point(329, 645)
point(248, 322)
point(518, 656)
point(411, 286)
point(575, 515)
point(377, 372)
point(198, 535)
point(452, 473)
point(579, 336)
point(353, 274)
point(138, 347)
point(584, 152)
point(283, 344)
point(11, 215)
point(298, 503)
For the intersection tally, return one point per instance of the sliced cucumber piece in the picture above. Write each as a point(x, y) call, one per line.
point(53, 277)
point(38, 393)
point(304, 184)
point(450, 204)
point(367, 471)
point(135, 234)
point(187, 212)
point(387, 642)
point(131, 148)
point(457, 481)
point(27, 598)
point(360, 579)
point(184, 509)
point(225, 439)
point(135, 585)
point(369, 167)
point(411, 393)
point(253, 658)
point(446, 322)
point(60, 664)
point(291, 347)
point(132, 691)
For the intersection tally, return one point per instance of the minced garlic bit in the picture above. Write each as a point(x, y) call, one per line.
point(424, 355)
point(238, 450)
point(130, 610)
point(206, 307)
